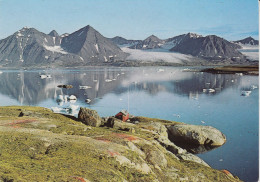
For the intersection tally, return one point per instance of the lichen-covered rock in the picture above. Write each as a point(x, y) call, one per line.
point(157, 158)
point(89, 117)
point(198, 135)
point(193, 158)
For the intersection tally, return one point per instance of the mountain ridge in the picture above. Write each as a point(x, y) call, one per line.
point(29, 46)
point(86, 46)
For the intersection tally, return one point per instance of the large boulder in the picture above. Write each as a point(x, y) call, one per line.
point(197, 135)
point(89, 117)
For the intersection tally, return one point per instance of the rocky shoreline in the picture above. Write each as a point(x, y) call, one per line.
point(53, 147)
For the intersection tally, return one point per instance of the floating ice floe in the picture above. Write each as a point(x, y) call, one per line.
point(60, 98)
point(72, 97)
point(84, 87)
point(246, 93)
point(45, 76)
point(56, 109)
point(160, 70)
point(252, 86)
point(210, 90)
point(177, 115)
point(108, 80)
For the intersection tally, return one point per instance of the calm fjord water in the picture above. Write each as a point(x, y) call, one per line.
point(168, 93)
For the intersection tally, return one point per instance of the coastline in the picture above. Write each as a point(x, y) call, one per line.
point(137, 150)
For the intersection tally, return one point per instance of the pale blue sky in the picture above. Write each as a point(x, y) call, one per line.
point(133, 19)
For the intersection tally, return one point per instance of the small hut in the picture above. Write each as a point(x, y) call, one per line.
point(122, 115)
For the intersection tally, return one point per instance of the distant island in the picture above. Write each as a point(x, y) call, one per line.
point(29, 47)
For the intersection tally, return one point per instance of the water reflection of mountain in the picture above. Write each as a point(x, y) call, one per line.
point(191, 84)
point(29, 89)
point(203, 82)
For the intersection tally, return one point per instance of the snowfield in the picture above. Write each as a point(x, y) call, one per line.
point(55, 49)
point(156, 55)
point(250, 51)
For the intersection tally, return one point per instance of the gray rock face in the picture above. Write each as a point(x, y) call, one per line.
point(29, 47)
point(122, 41)
point(53, 33)
point(248, 41)
point(89, 117)
point(91, 46)
point(198, 135)
point(209, 47)
point(151, 42)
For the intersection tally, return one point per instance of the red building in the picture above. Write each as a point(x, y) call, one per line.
point(122, 115)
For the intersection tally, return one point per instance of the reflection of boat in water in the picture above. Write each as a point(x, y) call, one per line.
point(246, 93)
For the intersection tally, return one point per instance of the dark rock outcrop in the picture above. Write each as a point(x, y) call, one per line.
point(247, 41)
point(89, 117)
point(209, 47)
point(91, 46)
point(122, 41)
point(53, 33)
point(151, 42)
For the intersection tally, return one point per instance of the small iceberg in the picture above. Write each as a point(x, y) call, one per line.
point(108, 80)
point(72, 97)
point(210, 90)
point(246, 93)
point(56, 109)
point(84, 87)
point(160, 70)
point(72, 109)
point(45, 76)
point(253, 87)
point(60, 98)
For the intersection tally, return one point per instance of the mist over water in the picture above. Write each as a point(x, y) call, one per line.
point(168, 93)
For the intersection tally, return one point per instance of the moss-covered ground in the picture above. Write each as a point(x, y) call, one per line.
point(44, 146)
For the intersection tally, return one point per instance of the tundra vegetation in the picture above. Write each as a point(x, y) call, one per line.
point(39, 145)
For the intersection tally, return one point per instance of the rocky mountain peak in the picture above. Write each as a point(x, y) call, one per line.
point(248, 41)
point(193, 35)
point(152, 38)
point(53, 33)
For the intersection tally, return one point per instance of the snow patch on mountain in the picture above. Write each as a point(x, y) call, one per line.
point(55, 49)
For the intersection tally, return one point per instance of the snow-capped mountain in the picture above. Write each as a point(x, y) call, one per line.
point(209, 47)
point(151, 42)
point(247, 41)
point(122, 41)
point(29, 47)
